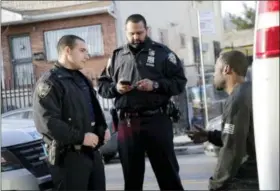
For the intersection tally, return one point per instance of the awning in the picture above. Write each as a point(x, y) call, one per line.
point(247, 50)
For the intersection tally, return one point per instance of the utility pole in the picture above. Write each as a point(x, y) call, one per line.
point(180, 100)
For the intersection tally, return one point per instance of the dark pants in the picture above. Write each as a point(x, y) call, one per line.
point(79, 171)
point(153, 135)
point(240, 184)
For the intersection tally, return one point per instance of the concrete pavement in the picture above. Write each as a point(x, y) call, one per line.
point(195, 170)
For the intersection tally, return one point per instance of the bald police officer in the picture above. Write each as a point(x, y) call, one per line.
point(142, 76)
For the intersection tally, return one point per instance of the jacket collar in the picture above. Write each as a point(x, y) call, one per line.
point(63, 72)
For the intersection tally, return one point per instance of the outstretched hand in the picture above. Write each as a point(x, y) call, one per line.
point(200, 135)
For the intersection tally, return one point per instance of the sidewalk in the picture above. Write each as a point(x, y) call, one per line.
point(182, 142)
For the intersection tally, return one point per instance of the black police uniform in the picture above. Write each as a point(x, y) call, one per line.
point(236, 168)
point(62, 112)
point(143, 125)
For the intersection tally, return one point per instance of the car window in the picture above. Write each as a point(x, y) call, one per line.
point(29, 114)
point(19, 115)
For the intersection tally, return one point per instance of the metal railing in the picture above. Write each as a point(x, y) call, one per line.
point(17, 95)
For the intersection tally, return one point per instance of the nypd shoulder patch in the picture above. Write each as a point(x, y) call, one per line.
point(43, 89)
point(172, 58)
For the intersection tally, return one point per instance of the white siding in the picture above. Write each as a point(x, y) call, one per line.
point(7, 16)
point(177, 17)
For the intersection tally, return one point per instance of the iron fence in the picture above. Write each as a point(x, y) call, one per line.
point(17, 94)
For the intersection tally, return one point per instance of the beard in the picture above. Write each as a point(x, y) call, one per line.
point(220, 88)
point(220, 85)
point(138, 45)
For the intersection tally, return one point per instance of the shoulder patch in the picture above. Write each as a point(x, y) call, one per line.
point(172, 58)
point(44, 88)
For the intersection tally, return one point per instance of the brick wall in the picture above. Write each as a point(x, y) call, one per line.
point(36, 31)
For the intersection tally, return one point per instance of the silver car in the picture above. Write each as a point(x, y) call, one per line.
point(109, 150)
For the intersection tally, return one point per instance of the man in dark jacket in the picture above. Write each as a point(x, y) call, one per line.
point(67, 113)
point(236, 168)
point(142, 76)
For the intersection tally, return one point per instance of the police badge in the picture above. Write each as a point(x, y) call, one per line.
point(43, 89)
point(172, 58)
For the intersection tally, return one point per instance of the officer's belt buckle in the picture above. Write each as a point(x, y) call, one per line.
point(77, 147)
point(92, 124)
point(151, 112)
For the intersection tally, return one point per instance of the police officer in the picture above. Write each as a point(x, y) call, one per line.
point(142, 76)
point(236, 168)
point(67, 111)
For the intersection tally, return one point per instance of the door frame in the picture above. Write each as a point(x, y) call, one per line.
point(11, 37)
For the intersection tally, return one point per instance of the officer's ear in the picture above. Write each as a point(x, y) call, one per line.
point(68, 50)
point(227, 69)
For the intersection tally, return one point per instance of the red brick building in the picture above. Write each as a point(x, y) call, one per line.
point(29, 43)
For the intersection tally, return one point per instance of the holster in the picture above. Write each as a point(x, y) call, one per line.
point(54, 151)
point(115, 117)
point(173, 111)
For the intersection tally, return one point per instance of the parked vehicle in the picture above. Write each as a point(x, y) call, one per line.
point(109, 150)
point(22, 157)
point(215, 100)
point(266, 92)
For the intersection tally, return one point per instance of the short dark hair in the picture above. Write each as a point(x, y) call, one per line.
point(236, 60)
point(136, 18)
point(67, 40)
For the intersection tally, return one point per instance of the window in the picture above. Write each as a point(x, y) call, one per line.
point(91, 34)
point(163, 36)
point(29, 115)
point(196, 50)
point(182, 40)
point(217, 49)
point(150, 31)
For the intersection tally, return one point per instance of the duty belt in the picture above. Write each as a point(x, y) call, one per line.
point(146, 113)
point(79, 148)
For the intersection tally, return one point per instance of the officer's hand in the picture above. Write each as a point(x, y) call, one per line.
point(145, 85)
point(90, 140)
point(122, 89)
point(107, 135)
point(198, 136)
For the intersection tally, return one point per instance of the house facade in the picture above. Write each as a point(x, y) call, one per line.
point(175, 23)
point(31, 30)
point(241, 40)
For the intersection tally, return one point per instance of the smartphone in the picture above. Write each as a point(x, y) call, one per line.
point(123, 82)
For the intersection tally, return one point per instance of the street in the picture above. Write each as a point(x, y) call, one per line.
point(195, 170)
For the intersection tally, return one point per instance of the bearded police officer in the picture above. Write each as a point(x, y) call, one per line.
point(68, 115)
point(142, 76)
point(236, 168)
